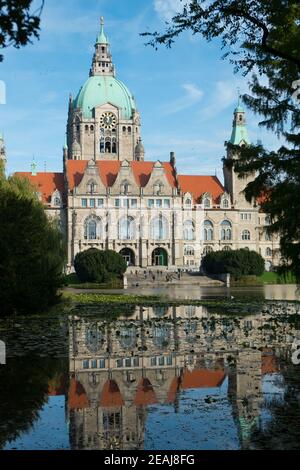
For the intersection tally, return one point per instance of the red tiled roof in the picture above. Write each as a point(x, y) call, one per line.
point(77, 398)
point(45, 183)
point(145, 394)
point(109, 170)
point(202, 378)
point(197, 185)
point(111, 395)
point(269, 363)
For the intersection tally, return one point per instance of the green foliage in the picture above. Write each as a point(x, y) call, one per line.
point(32, 251)
point(261, 36)
point(238, 263)
point(18, 25)
point(94, 265)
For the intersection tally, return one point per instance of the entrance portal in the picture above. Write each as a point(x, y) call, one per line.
point(159, 257)
point(129, 256)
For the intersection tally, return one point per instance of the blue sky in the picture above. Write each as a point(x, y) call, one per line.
point(186, 95)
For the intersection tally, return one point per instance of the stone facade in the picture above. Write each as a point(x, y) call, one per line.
point(119, 369)
point(110, 197)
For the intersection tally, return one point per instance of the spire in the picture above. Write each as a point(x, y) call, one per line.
point(239, 135)
point(102, 60)
point(102, 38)
point(33, 166)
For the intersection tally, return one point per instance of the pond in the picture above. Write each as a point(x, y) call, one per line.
point(154, 378)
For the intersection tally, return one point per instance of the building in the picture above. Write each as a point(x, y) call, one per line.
point(110, 197)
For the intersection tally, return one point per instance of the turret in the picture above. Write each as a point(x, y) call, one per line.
point(102, 60)
point(139, 152)
point(239, 137)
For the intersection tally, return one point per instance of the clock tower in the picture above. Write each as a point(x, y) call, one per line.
point(103, 121)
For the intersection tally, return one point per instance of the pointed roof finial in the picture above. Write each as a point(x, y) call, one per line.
point(101, 38)
point(239, 108)
point(33, 167)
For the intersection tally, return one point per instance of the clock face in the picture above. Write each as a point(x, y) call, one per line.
point(108, 120)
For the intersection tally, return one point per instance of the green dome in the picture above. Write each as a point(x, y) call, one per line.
point(100, 89)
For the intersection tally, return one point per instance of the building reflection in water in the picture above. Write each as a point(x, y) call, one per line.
point(121, 368)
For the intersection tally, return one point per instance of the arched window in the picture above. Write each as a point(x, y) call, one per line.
point(225, 203)
point(161, 336)
point(189, 251)
point(268, 252)
point(267, 236)
point(226, 230)
point(208, 230)
point(227, 248)
point(207, 249)
point(56, 199)
point(107, 145)
point(159, 228)
point(188, 202)
point(128, 337)
point(267, 220)
point(92, 228)
point(189, 230)
point(114, 145)
point(246, 235)
point(126, 228)
point(206, 203)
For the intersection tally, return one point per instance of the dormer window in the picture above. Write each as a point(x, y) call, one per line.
point(225, 203)
point(188, 202)
point(206, 203)
point(56, 199)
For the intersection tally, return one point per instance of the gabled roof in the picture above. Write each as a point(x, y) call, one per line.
point(111, 395)
point(109, 170)
point(202, 378)
point(77, 398)
point(45, 183)
point(198, 185)
point(145, 394)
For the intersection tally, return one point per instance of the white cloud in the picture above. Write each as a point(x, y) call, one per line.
point(224, 95)
point(166, 9)
point(193, 94)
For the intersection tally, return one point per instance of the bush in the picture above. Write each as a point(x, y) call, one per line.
point(238, 263)
point(32, 251)
point(94, 265)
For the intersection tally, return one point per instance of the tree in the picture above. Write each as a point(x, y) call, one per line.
point(93, 265)
point(32, 251)
point(18, 24)
point(261, 37)
point(238, 263)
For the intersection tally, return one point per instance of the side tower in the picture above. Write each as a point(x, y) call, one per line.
point(103, 122)
point(239, 136)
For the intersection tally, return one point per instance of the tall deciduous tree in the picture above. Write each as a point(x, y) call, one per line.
point(32, 251)
point(19, 23)
point(261, 38)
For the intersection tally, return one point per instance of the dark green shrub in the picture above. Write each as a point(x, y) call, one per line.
point(238, 263)
point(94, 265)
